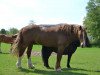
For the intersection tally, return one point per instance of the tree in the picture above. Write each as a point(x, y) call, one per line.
point(92, 19)
point(13, 31)
point(3, 31)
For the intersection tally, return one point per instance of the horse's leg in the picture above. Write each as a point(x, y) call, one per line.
point(46, 64)
point(30, 65)
point(18, 64)
point(68, 60)
point(59, 56)
point(10, 49)
point(45, 55)
point(0, 47)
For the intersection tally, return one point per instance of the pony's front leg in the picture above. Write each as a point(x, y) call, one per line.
point(68, 60)
point(59, 56)
point(29, 63)
point(18, 63)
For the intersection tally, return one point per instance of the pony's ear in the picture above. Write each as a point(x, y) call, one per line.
point(80, 27)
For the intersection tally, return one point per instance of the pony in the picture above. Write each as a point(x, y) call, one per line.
point(59, 36)
point(7, 39)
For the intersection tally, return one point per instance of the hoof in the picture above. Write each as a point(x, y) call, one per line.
point(31, 66)
point(68, 66)
point(58, 70)
point(18, 65)
point(49, 68)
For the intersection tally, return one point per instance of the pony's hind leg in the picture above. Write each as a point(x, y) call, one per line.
point(10, 50)
point(18, 63)
point(29, 63)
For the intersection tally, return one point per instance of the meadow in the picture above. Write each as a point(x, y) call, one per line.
point(85, 61)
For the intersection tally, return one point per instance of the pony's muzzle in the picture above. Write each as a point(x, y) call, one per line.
point(83, 44)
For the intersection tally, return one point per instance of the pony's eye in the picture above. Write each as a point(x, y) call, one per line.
point(81, 35)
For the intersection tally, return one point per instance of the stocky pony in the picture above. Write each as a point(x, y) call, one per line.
point(59, 36)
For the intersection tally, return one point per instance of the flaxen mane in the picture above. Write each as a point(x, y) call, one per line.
point(67, 29)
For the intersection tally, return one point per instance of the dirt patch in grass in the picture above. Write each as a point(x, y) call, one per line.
point(38, 53)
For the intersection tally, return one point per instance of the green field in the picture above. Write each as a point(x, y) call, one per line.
point(85, 61)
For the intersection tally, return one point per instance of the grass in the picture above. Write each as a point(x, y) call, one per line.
point(6, 47)
point(85, 61)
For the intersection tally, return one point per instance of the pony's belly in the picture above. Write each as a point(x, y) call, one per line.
point(48, 43)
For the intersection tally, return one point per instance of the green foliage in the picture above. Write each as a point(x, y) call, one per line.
point(13, 31)
point(92, 19)
point(3, 31)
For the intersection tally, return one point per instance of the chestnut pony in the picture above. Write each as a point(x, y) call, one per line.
point(59, 36)
point(7, 39)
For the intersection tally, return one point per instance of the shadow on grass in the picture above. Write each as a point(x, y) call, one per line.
point(64, 71)
point(78, 69)
point(45, 72)
point(4, 53)
point(97, 71)
point(56, 73)
point(26, 70)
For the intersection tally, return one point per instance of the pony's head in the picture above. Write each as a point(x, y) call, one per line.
point(81, 35)
point(1, 37)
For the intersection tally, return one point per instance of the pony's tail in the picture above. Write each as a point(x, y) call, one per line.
point(16, 46)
